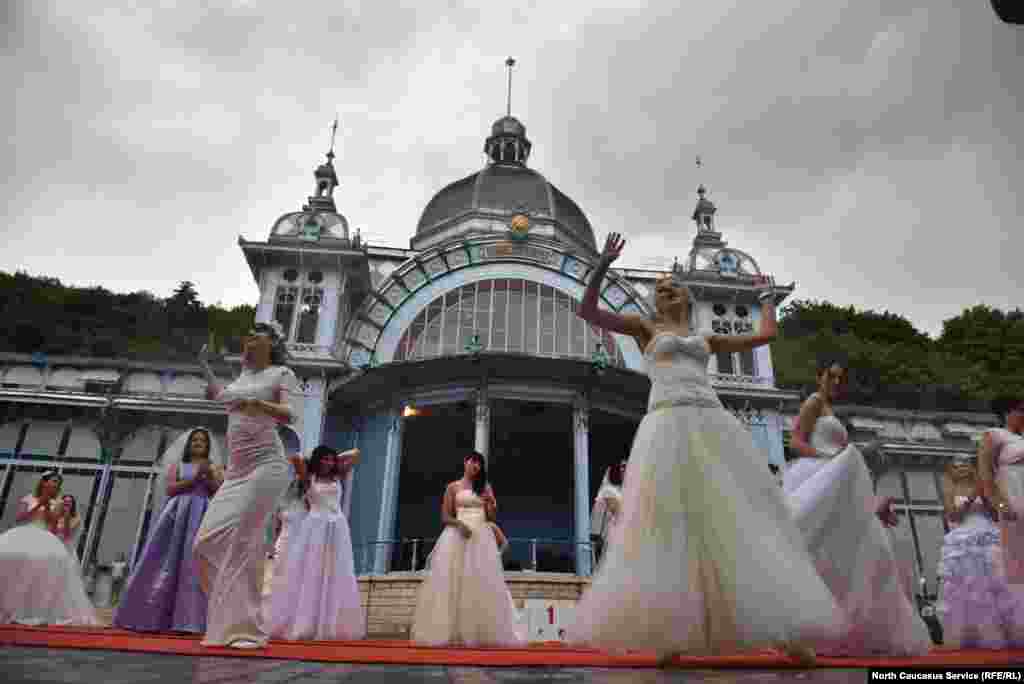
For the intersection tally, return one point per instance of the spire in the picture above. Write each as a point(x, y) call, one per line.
point(509, 63)
point(704, 216)
point(326, 179)
point(508, 143)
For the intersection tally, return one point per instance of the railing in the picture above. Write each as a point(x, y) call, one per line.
point(526, 554)
point(733, 379)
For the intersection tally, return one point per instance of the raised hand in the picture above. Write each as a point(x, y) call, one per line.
point(204, 355)
point(613, 245)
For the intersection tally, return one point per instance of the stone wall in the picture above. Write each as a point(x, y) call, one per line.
point(390, 600)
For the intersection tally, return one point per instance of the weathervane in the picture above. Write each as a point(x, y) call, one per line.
point(509, 63)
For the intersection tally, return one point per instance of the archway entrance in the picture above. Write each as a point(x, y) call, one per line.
point(435, 440)
point(531, 467)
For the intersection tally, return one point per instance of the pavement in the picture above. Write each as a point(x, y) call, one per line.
point(38, 665)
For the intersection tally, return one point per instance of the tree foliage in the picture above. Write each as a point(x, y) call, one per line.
point(978, 357)
point(43, 315)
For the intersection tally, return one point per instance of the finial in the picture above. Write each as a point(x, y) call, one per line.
point(509, 63)
point(700, 188)
point(334, 131)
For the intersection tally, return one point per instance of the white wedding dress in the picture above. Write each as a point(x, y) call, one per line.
point(42, 580)
point(833, 504)
point(706, 558)
point(464, 599)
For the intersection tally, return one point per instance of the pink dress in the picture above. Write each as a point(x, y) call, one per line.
point(231, 546)
point(316, 596)
point(1009, 463)
point(976, 606)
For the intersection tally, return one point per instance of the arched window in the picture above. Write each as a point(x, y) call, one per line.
point(505, 315)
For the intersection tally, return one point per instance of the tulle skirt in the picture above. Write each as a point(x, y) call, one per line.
point(315, 594)
point(464, 599)
point(705, 558)
point(833, 504)
point(976, 607)
point(42, 582)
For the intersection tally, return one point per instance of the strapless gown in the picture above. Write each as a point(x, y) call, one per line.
point(316, 596)
point(42, 581)
point(464, 599)
point(706, 558)
point(833, 504)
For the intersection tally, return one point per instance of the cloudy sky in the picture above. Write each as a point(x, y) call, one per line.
point(871, 151)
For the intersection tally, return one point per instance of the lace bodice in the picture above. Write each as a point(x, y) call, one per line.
point(678, 368)
point(469, 508)
point(324, 496)
point(274, 383)
point(829, 436)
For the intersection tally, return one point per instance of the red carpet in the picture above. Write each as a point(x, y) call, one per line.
point(404, 653)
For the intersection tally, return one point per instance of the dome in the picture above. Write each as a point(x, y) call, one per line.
point(506, 189)
point(311, 225)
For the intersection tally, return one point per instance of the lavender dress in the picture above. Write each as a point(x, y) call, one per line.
point(163, 593)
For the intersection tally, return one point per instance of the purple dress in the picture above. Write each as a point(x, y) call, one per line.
point(163, 593)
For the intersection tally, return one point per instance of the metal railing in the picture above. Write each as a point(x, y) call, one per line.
point(526, 554)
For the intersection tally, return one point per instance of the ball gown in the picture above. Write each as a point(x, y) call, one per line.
point(42, 580)
point(162, 593)
point(706, 558)
point(316, 596)
point(833, 504)
point(464, 599)
point(976, 606)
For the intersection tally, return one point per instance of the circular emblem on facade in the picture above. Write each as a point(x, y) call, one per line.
point(520, 226)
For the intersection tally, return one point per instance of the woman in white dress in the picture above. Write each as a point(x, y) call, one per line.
point(832, 496)
point(607, 510)
point(707, 558)
point(1001, 471)
point(464, 599)
point(289, 510)
point(231, 545)
point(316, 596)
point(42, 581)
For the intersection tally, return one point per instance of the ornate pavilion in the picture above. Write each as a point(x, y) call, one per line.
point(466, 340)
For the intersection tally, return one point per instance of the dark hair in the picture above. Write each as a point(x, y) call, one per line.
point(46, 477)
point(187, 456)
point(826, 361)
point(615, 474)
point(480, 481)
point(74, 503)
point(774, 468)
point(319, 454)
point(278, 351)
point(1004, 405)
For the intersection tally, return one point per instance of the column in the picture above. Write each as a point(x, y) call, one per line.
point(310, 425)
point(389, 495)
point(581, 453)
point(482, 437)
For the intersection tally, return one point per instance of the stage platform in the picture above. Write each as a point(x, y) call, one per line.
point(113, 656)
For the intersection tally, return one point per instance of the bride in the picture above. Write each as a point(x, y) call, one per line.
point(42, 581)
point(707, 559)
point(830, 491)
point(464, 599)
